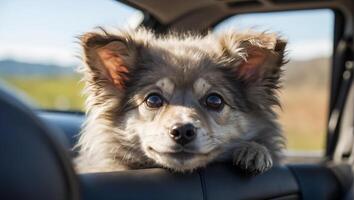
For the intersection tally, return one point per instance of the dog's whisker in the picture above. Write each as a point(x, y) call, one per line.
point(179, 101)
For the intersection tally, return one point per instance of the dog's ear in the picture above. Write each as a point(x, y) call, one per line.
point(109, 57)
point(255, 56)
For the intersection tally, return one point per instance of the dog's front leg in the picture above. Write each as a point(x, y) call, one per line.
point(252, 157)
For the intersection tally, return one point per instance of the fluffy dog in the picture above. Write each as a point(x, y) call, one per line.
point(180, 101)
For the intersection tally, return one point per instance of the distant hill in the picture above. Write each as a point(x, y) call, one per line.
point(15, 68)
point(315, 71)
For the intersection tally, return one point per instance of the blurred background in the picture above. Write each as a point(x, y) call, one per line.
point(39, 55)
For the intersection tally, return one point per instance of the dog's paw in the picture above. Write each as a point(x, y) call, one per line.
point(252, 158)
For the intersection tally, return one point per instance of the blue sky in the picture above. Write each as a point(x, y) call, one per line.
point(44, 31)
point(309, 33)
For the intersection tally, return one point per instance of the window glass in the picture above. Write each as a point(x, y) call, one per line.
point(39, 55)
point(39, 47)
point(305, 92)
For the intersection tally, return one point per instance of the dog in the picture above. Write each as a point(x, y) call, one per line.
point(180, 101)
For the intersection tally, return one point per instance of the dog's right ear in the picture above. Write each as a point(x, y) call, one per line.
point(109, 57)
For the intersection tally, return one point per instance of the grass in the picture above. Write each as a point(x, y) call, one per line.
point(62, 93)
point(303, 113)
point(304, 116)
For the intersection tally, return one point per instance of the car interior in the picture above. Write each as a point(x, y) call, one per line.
point(50, 135)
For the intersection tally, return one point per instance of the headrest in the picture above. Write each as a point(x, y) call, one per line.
point(33, 164)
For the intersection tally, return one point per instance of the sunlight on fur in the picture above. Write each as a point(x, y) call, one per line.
point(180, 101)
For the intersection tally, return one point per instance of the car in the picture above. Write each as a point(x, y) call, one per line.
point(36, 145)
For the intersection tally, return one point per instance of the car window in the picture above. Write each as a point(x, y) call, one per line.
point(39, 51)
point(39, 55)
point(305, 93)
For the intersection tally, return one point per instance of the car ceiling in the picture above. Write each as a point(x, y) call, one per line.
point(202, 14)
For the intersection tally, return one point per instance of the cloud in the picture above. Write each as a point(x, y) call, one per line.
point(52, 49)
point(39, 54)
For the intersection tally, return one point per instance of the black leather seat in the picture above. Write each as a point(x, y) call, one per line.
point(218, 181)
point(34, 165)
point(69, 124)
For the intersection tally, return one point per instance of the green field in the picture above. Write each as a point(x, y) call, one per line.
point(63, 93)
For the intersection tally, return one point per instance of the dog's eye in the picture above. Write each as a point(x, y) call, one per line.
point(154, 100)
point(214, 101)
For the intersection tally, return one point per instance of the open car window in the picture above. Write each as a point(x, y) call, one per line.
point(39, 56)
point(306, 81)
point(39, 51)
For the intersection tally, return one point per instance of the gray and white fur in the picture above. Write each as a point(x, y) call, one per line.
point(180, 101)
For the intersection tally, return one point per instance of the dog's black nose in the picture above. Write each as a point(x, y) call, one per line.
point(183, 133)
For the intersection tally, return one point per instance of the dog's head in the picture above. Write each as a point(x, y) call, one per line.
point(180, 101)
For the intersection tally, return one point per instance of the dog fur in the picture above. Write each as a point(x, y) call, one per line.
point(123, 67)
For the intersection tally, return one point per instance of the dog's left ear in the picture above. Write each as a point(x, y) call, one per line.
point(256, 56)
point(109, 58)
